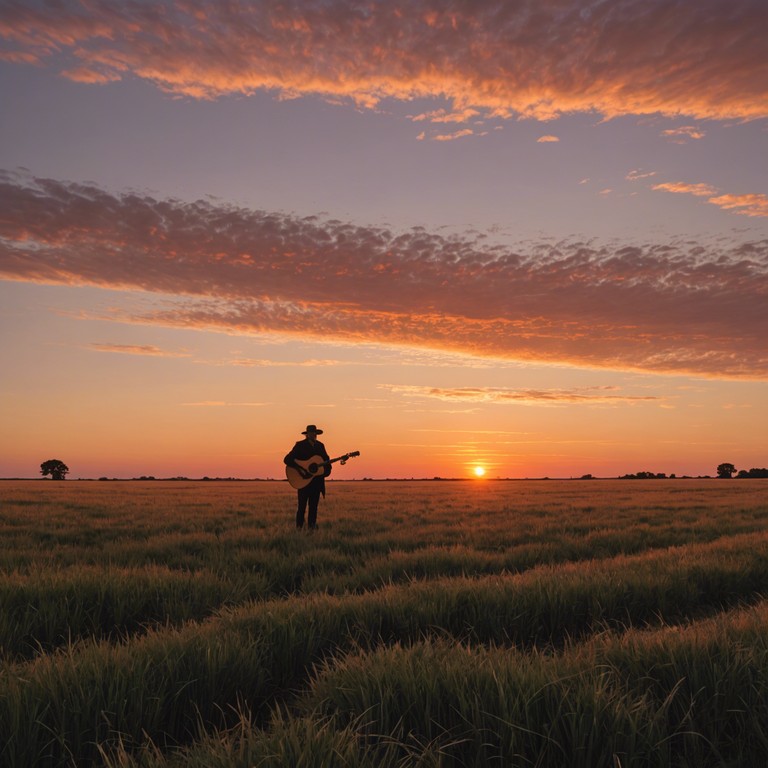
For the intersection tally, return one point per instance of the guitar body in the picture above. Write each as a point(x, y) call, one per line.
point(315, 466)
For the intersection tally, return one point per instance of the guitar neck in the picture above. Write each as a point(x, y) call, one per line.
point(342, 458)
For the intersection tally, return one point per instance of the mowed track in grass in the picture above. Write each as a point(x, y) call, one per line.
point(548, 623)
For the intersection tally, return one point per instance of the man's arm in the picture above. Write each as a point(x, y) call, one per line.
point(290, 461)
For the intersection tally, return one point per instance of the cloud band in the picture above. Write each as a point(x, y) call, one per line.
point(538, 58)
point(678, 307)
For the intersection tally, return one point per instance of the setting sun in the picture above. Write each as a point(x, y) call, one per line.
point(479, 471)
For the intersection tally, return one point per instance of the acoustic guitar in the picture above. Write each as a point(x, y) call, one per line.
point(315, 466)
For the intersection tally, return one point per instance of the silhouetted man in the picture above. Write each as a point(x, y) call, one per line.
point(309, 495)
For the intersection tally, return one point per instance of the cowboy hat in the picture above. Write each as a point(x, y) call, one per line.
point(313, 429)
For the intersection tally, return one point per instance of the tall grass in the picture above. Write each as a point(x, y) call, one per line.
point(41, 612)
point(194, 617)
point(690, 695)
point(87, 559)
point(255, 652)
point(687, 696)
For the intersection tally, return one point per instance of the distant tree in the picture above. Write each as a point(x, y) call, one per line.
point(754, 472)
point(55, 468)
point(725, 470)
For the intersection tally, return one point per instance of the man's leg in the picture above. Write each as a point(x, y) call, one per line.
point(314, 498)
point(303, 497)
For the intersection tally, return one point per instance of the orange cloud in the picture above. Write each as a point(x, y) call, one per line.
point(700, 190)
point(136, 349)
point(547, 140)
point(533, 58)
point(584, 396)
point(683, 133)
point(442, 116)
point(746, 205)
point(453, 136)
point(677, 307)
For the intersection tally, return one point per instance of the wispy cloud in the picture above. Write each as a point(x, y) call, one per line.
point(495, 433)
point(680, 187)
point(222, 404)
point(681, 306)
point(549, 139)
point(583, 396)
point(136, 349)
point(453, 136)
point(745, 205)
point(262, 363)
point(443, 116)
point(682, 134)
point(504, 59)
point(639, 174)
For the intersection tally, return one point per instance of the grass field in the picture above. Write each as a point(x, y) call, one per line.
point(490, 623)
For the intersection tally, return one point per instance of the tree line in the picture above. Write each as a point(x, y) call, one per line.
point(58, 470)
point(724, 470)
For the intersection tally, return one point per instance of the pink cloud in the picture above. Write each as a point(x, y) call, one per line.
point(136, 349)
point(88, 75)
point(538, 58)
point(262, 363)
point(19, 57)
point(677, 307)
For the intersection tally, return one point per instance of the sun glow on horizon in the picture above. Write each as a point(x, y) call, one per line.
point(479, 471)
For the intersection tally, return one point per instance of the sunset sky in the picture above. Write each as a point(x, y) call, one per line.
point(527, 235)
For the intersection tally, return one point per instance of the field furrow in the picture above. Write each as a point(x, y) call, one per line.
point(278, 646)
